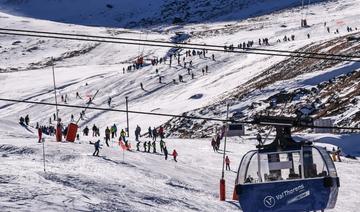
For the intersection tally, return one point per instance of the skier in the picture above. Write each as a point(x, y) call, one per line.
point(217, 142)
point(27, 119)
point(65, 132)
point(94, 128)
point(175, 154)
point(162, 145)
point(21, 121)
point(137, 132)
point(39, 134)
point(141, 86)
point(145, 146)
point(97, 131)
point(109, 101)
point(107, 136)
point(138, 146)
point(71, 118)
point(203, 71)
point(154, 146)
point(54, 116)
point(113, 131)
point(213, 57)
point(122, 134)
point(259, 138)
point(97, 147)
point(213, 144)
point(86, 131)
point(180, 78)
point(338, 151)
point(148, 145)
point(77, 95)
point(227, 162)
point(165, 152)
point(150, 132)
point(161, 132)
point(154, 134)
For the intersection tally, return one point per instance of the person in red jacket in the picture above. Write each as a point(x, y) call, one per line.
point(227, 162)
point(175, 154)
point(39, 134)
point(161, 132)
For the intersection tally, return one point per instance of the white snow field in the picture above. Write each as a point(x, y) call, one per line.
point(75, 180)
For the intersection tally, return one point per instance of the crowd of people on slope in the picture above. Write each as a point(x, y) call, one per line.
point(148, 146)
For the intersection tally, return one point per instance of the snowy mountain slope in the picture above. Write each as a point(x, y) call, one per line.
point(106, 58)
point(139, 14)
point(139, 181)
point(326, 88)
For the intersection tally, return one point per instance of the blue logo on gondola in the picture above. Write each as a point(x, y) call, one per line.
point(269, 201)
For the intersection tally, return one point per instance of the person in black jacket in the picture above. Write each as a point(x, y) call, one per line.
point(97, 147)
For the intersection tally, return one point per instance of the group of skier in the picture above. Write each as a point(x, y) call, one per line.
point(24, 121)
point(147, 145)
point(188, 65)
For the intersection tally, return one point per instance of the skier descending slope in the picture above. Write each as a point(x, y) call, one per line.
point(97, 147)
point(27, 120)
point(109, 101)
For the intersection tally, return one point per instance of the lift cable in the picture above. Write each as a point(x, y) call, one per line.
point(177, 116)
point(177, 43)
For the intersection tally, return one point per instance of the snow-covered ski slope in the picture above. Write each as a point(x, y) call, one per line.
point(142, 181)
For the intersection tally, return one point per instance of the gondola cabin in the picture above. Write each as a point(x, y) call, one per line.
point(287, 176)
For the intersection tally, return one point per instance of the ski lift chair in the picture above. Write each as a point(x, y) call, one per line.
point(286, 176)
